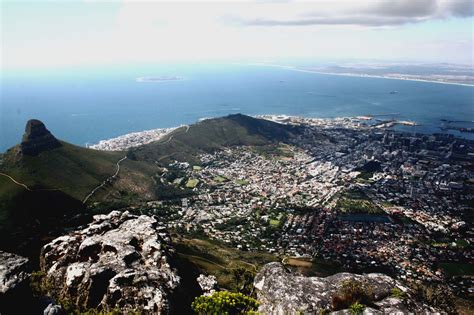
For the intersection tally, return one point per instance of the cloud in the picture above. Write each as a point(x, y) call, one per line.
point(461, 8)
point(371, 13)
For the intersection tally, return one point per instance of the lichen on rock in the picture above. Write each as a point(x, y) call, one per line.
point(118, 261)
point(282, 292)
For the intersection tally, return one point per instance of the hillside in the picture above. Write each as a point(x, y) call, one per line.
point(184, 144)
point(45, 181)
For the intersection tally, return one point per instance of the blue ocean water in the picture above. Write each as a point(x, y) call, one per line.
point(85, 105)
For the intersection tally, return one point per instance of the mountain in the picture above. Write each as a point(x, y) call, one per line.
point(184, 144)
point(43, 179)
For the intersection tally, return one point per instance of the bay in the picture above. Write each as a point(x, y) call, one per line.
point(85, 105)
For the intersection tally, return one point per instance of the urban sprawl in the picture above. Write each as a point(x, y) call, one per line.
point(359, 195)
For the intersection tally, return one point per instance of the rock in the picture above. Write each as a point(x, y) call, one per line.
point(208, 284)
point(282, 292)
point(118, 261)
point(53, 309)
point(37, 139)
point(13, 271)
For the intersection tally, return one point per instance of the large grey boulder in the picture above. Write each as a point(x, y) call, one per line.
point(13, 271)
point(118, 261)
point(282, 292)
point(14, 283)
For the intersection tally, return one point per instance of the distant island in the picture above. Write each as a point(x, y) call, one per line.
point(159, 78)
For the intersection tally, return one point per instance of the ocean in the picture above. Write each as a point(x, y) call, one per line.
point(85, 105)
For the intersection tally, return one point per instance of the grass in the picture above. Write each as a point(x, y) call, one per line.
point(313, 267)
point(211, 134)
point(192, 182)
point(355, 201)
point(242, 182)
point(457, 269)
point(212, 257)
point(274, 223)
point(220, 179)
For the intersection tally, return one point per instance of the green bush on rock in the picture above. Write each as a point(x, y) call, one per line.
point(224, 302)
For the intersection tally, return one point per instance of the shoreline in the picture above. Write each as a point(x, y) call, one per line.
point(138, 138)
point(355, 75)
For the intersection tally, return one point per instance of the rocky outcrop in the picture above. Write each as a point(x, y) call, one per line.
point(13, 271)
point(37, 139)
point(208, 284)
point(118, 261)
point(281, 292)
point(14, 283)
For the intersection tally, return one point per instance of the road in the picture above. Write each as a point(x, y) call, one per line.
point(109, 179)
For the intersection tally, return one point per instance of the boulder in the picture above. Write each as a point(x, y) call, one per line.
point(14, 284)
point(14, 272)
point(208, 284)
point(37, 139)
point(282, 292)
point(118, 261)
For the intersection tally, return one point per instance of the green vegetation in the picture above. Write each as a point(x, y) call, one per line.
point(242, 182)
point(398, 293)
point(224, 302)
point(436, 295)
point(314, 267)
point(274, 151)
point(356, 308)
point(192, 182)
point(462, 244)
point(234, 269)
point(457, 269)
point(353, 292)
point(58, 181)
point(212, 134)
point(274, 223)
point(220, 179)
point(355, 201)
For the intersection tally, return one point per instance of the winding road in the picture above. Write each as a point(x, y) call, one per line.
point(105, 181)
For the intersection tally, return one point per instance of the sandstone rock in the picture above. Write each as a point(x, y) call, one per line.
point(208, 284)
point(118, 261)
point(53, 309)
point(282, 292)
point(13, 271)
point(37, 138)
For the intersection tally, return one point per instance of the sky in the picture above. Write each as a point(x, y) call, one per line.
point(48, 34)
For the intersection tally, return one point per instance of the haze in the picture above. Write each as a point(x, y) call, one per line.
point(53, 34)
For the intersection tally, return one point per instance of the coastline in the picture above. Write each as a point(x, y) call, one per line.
point(292, 68)
point(135, 139)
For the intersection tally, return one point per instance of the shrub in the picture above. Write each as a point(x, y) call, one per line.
point(436, 295)
point(39, 284)
point(224, 302)
point(352, 291)
point(399, 294)
point(356, 308)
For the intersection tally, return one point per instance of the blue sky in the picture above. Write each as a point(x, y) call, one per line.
point(70, 33)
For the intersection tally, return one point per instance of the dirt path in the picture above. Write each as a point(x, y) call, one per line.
point(105, 181)
point(16, 182)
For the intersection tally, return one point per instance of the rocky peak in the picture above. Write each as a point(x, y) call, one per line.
point(37, 138)
point(118, 261)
